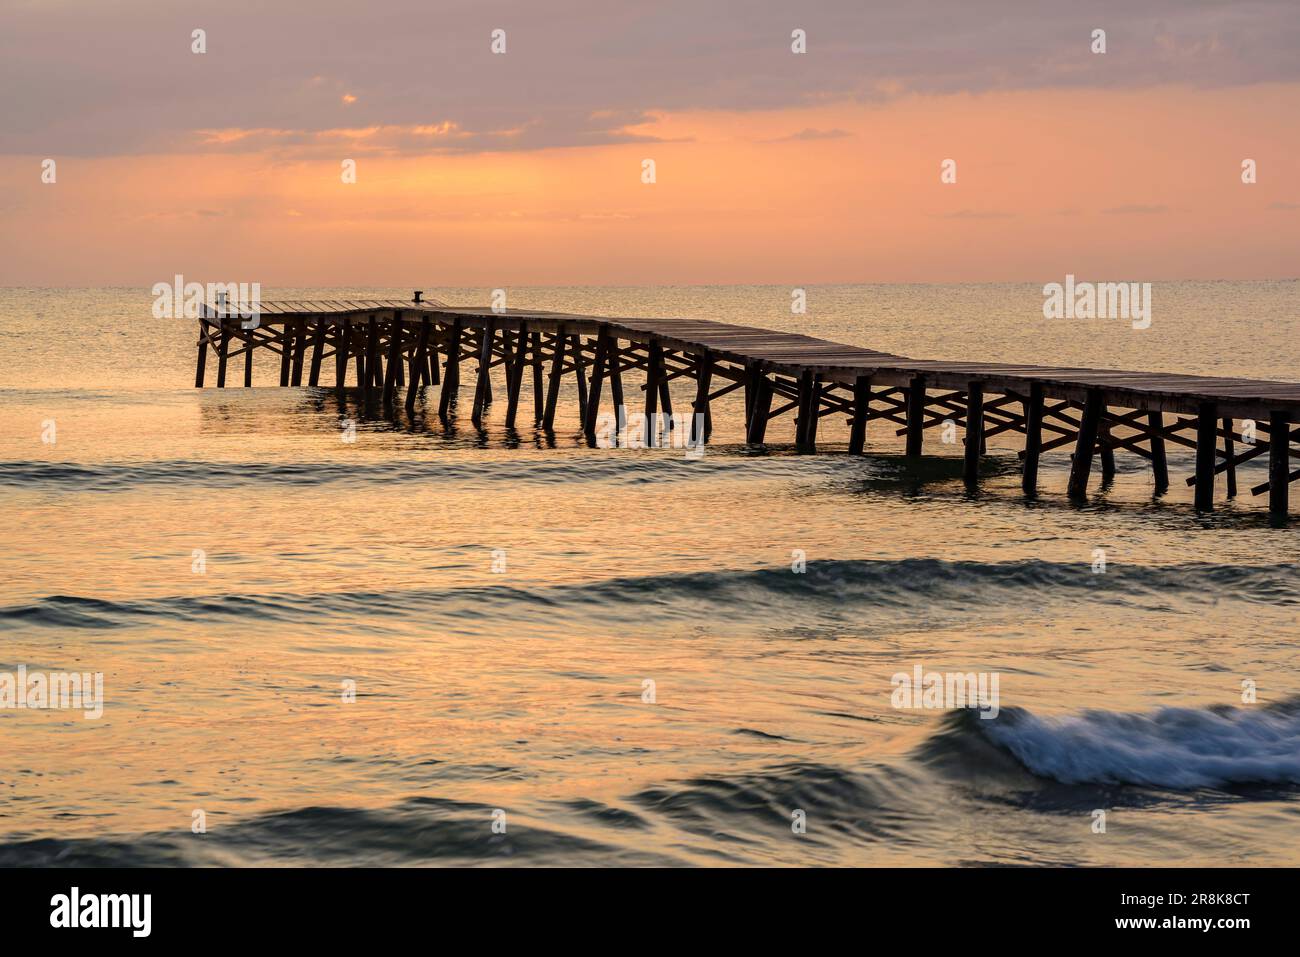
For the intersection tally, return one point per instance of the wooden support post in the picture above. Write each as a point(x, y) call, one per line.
point(299, 352)
point(915, 417)
point(1228, 450)
point(393, 366)
point(579, 370)
point(248, 359)
point(1207, 440)
point(435, 362)
point(1033, 438)
point(223, 353)
point(451, 381)
point(665, 398)
point(591, 410)
point(342, 351)
point(751, 379)
point(814, 415)
point(1159, 463)
point(1085, 444)
point(1106, 449)
point(419, 364)
point(807, 408)
point(483, 385)
point(974, 431)
point(616, 386)
point(653, 373)
point(363, 355)
point(374, 369)
point(286, 351)
point(557, 374)
point(700, 424)
point(762, 401)
point(539, 397)
point(515, 375)
point(861, 410)
point(1279, 468)
point(203, 355)
point(317, 353)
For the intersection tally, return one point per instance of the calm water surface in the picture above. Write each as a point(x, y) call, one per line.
point(522, 690)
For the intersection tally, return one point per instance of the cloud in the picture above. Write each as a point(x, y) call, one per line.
point(811, 134)
point(88, 78)
point(1135, 209)
point(976, 214)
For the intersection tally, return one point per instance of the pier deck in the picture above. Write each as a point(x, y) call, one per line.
point(393, 345)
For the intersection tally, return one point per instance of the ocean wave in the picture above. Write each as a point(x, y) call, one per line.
point(840, 591)
point(418, 831)
point(616, 467)
point(1180, 749)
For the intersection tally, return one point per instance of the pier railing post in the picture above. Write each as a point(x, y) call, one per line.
point(915, 416)
point(1085, 444)
point(1279, 468)
point(1207, 438)
point(1033, 438)
point(974, 431)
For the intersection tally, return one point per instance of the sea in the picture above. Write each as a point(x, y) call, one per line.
point(333, 638)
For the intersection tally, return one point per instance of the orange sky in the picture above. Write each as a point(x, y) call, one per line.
point(1119, 184)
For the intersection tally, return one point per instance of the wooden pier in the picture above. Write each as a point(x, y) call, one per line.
point(390, 349)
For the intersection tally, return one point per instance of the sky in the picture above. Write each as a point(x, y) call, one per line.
point(528, 166)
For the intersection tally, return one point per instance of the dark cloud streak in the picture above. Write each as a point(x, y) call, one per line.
point(92, 78)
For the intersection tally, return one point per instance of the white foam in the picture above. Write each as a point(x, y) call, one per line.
point(1174, 747)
